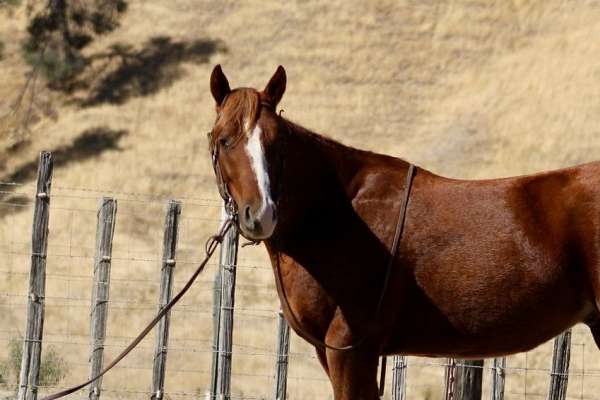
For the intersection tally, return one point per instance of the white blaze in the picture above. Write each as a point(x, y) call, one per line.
point(258, 162)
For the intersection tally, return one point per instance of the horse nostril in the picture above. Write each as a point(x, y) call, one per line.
point(248, 220)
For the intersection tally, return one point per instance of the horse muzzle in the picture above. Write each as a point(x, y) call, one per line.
point(258, 223)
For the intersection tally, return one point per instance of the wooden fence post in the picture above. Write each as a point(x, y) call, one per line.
point(32, 342)
point(559, 376)
point(281, 364)
point(166, 289)
point(105, 229)
point(214, 376)
point(469, 374)
point(498, 377)
point(228, 262)
point(449, 379)
point(398, 378)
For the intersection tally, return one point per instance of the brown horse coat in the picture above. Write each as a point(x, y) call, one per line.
point(484, 268)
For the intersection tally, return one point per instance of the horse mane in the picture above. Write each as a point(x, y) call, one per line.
point(242, 106)
point(335, 145)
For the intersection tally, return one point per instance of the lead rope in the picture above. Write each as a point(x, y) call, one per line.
point(211, 245)
point(394, 251)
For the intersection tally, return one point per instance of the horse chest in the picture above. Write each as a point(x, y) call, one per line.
point(306, 298)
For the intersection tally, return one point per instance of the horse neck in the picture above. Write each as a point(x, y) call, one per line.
point(317, 174)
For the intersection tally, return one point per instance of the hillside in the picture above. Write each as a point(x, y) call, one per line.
point(465, 88)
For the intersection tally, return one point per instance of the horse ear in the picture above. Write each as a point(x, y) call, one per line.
point(276, 86)
point(219, 85)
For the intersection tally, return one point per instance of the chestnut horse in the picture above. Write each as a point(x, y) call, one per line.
point(484, 268)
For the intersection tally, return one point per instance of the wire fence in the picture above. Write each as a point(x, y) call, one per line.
point(134, 299)
point(134, 287)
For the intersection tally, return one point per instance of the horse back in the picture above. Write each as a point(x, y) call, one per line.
point(511, 260)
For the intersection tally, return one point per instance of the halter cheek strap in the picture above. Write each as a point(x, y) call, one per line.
point(230, 206)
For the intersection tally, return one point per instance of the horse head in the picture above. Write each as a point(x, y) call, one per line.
point(245, 145)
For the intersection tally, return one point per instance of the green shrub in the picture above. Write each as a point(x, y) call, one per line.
point(15, 352)
point(52, 369)
point(10, 3)
point(4, 372)
point(55, 64)
point(58, 33)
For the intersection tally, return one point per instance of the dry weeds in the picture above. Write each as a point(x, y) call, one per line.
point(466, 88)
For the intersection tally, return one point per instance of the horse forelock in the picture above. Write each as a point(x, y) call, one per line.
point(239, 111)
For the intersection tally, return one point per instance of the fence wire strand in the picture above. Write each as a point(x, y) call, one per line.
point(69, 277)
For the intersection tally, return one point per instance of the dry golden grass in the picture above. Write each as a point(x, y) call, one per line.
point(466, 88)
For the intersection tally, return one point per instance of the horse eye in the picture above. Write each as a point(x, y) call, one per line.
point(224, 141)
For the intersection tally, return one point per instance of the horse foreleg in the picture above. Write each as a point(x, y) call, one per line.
point(595, 328)
point(353, 374)
point(322, 356)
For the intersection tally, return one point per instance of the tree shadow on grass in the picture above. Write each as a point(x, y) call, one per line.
point(157, 65)
point(89, 144)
